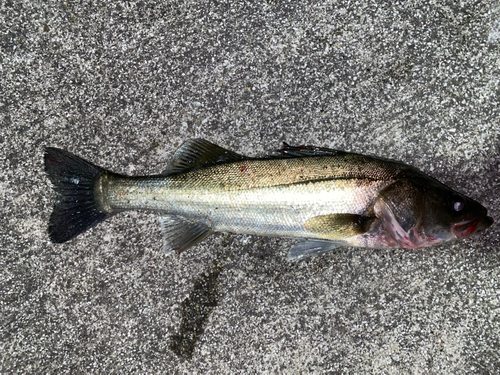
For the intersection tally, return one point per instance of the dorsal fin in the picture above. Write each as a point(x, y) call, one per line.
point(198, 153)
point(300, 151)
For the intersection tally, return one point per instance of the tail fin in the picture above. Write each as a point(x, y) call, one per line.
point(76, 208)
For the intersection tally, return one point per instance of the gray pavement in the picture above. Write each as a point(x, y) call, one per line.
point(125, 83)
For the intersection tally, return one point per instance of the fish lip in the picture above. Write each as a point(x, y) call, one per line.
point(467, 227)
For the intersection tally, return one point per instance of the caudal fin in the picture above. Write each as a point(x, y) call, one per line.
point(76, 208)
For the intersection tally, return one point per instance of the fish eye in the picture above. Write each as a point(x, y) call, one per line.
point(458, 206)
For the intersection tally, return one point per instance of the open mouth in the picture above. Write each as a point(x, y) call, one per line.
point(467, 227)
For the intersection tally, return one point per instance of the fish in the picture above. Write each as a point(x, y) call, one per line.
point(324, 197)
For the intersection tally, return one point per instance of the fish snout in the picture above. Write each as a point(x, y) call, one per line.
point(485, 223)
point(467, 227)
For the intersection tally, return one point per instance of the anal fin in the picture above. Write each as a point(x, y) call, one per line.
point(180, 234)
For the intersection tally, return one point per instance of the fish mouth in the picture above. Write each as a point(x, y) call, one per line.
point(467, 227)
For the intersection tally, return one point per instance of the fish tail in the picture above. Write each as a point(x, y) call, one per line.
point(77, 208)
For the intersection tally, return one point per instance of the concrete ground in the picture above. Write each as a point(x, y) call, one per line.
point(124, 83)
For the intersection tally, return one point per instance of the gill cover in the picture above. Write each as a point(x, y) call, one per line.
point(400, 207)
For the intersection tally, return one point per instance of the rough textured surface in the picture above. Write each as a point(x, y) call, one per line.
point(123, 84)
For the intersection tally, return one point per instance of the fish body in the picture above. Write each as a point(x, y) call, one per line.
point(327, 198)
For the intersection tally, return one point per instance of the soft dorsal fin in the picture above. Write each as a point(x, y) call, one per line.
point(197, 153)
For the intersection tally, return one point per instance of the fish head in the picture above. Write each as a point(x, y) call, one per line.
point(450, 215)
point(419, 211)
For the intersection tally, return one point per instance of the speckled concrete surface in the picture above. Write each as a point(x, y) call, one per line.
point(123, 84)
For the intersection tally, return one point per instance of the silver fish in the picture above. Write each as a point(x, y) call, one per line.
point(325, 197)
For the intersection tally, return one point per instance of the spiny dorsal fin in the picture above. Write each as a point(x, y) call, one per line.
point(198, 153)
point(300, 151)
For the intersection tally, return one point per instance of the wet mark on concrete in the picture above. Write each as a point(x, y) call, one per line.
point(195, 311)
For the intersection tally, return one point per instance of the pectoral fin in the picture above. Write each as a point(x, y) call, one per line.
point(180, 234)
point(308, 248)
point(338, 226)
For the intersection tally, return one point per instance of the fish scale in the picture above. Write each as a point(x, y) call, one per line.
point(276, 210)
